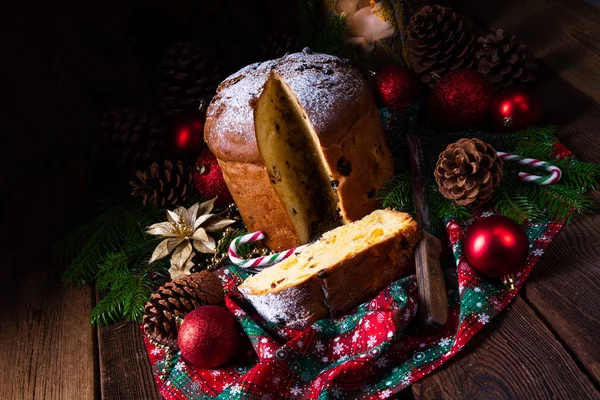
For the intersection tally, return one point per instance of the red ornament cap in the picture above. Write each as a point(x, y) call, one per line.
point(496, 246)
point(208, 337)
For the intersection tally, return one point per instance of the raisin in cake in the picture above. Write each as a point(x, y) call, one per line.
point(300, 144)
point(346, 267)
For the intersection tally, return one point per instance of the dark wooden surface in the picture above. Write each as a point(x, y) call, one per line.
point(543, 346)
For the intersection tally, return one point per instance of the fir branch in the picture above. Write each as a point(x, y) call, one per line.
point(329, 40)
point(125, 300)
point(397, 193)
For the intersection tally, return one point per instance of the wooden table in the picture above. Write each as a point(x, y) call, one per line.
point(543, 346)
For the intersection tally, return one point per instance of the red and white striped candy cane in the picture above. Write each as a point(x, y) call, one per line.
point(260, 262)
point(555, 172)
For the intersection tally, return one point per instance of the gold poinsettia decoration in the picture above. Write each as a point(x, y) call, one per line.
point(186, 230)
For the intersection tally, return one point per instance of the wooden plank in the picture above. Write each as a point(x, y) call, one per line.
point(564, 33)
point(125, 371)
point(563, 290)
point(515, 357)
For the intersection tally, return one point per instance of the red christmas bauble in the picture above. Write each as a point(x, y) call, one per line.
point(496, 246)
point(515, 108)
point(560, 151)
point(187, 137)
point(397, 86)
point(209, 181)
point(461, 99)
point(208, 337)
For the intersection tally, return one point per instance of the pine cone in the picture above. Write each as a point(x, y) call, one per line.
point(439, 40)
point(503, 60)
point(165, 184)
point(187, 77)
point(468, 172)
point(177, 299)
point(132, 137)
point(279, 45)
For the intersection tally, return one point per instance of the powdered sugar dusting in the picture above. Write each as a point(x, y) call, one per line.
point(292, 306)
point(230, 120)
point(325, 86)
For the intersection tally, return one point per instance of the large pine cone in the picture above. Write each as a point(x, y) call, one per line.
point(165, 184)
point(503, 60)
point(132, 137)
point(177, 299)
point(468, 172)
point(439, 40)
point(187, 78)
point(279, 45)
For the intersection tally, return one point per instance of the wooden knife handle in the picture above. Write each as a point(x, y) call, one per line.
point(433, 299)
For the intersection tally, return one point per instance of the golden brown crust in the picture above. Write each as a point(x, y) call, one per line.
point(258, 204)
point(342, 286)
point(340, 107)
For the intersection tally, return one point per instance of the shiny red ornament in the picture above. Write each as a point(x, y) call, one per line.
point(397, 86)
point(208, 337)
point(208, 178)
point(461, 99)
point(187, 137)
point(496, 246)
point(515, 108)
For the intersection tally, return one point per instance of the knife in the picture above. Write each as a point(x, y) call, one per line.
point(433, 299)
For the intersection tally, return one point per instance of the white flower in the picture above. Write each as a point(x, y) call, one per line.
point(216, 372)
point(267, 353)
point(264, 340)
point(319, 345)
point(406, 380)
point(186, 230)
point(538, 252)
point(179, 366)
point(483, 318)
point(338, 348)
point(300, 344)
point(390, 334)
point(479, 304)
point(317, 328)
point(337, 392)
point(276, 380)
point(372, 340)
point(382, 362)
point(355, 336)
point(367, 324)
point(445, 342)
point(325, 359)
point(364, 25)
point(477, 289)
point(237, 389)
point(385, 394)
point(296, 390)
point(155, 351)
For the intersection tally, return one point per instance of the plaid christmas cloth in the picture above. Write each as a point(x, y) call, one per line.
point(370, 354)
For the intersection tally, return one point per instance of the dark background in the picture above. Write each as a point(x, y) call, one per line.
point(64, 62)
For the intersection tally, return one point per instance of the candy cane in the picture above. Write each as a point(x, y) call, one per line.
point(555, 172)
point(260, 262)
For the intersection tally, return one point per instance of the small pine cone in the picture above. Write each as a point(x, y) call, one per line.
point(439, 40)
point(468, 172)
point(187, 78)
point(279, 45)
point(132, 137)
point(503, 60)
point(165, 184)
point(176, 299)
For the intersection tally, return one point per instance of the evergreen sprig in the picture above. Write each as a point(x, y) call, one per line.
point(324, 35)
point(514, 198)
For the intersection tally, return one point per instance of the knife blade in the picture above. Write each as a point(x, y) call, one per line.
point(433, 299)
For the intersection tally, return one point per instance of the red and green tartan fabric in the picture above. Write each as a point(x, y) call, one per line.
point(370, 354)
